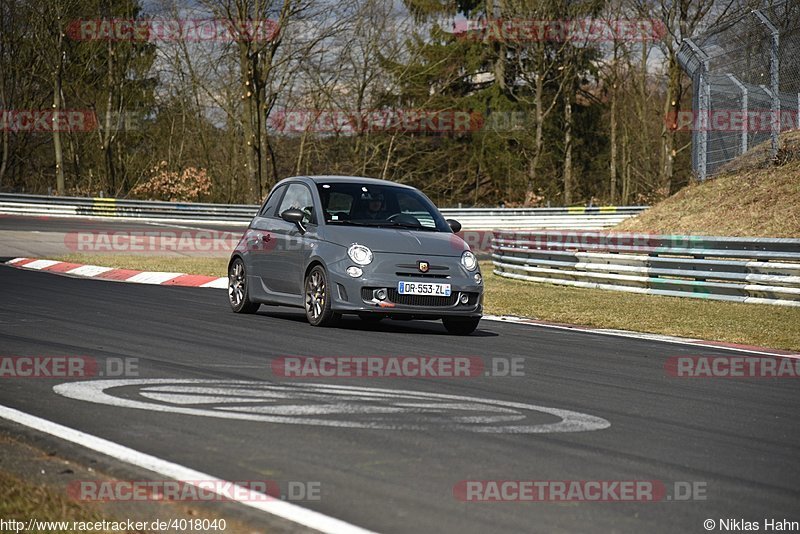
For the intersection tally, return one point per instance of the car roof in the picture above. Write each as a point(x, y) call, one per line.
point(332, 179)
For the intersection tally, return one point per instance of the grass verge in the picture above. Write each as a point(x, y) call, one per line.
point(749, 197)
point(23, 500)
point(752, 324)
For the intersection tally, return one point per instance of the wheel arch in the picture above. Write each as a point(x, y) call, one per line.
point(235, 256)
point(313, 263)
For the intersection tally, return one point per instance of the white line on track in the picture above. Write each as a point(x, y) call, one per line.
point(277, 507)
point(631, 334)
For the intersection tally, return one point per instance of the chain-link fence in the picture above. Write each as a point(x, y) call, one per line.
point(746, 85)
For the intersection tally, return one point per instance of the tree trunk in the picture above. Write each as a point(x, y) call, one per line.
point(533, 165)
point(568, 179)
point(626, 168)
point(671, 106)
point(4, 160)
point(612, 185)
point(108, 154)
point(60, 185)
point(249, 110)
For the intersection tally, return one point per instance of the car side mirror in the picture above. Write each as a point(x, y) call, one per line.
point(454, 225)
point(294, 215)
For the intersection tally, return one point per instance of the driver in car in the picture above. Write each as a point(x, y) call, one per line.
point(374, 205)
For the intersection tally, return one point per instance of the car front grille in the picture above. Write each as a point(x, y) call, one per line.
point(427, 301)
point(422, 275)
point(422, 300)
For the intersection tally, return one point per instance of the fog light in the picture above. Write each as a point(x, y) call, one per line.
point(478, 278)
point(380, 294)
point(464, 298)
point(354, 271)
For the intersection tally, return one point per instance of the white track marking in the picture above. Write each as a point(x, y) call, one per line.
point(41, 264)
point(89, 270)
point(635, 335)
point(358, 407)
point(149, 277)
point(219, 283)
point(285, 510)
point(16, 260)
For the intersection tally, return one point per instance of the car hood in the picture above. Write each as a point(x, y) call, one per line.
point(398, 240)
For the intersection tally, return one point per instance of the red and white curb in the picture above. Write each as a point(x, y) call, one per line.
point(196, 280)
point(121, 275)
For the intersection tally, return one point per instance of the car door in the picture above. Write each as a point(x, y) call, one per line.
point(261, 242)
point(287, 259)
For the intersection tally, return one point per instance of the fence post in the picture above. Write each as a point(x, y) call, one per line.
point(745, 126)
point(774, 81)
point(704, 103)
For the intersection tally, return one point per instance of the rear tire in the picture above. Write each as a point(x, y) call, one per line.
point(317, 298)
point(461, 326)
point(238, 291)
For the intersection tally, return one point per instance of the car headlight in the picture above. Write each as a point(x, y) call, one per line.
point(360, 254)
point(469, 261)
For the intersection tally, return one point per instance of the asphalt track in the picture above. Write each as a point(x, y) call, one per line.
point(738, 437)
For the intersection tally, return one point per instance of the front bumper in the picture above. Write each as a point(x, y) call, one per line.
point(357, 295)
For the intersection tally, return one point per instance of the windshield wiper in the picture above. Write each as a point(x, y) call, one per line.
point(405, 225)
point(347, 221)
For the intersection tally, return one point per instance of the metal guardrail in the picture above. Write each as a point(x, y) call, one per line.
point(471, 218)
point(751, 270)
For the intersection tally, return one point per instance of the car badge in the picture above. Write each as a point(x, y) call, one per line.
point(423, 266)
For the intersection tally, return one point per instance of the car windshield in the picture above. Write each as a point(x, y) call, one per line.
point(364, 204)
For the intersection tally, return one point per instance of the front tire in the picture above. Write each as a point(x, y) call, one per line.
point(238, 291)
point(318, 298)
point(461, 326)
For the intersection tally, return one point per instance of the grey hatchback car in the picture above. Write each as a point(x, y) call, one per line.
point(336, 245)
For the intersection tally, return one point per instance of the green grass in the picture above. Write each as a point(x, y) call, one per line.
point(753, 324)
point(22, 500)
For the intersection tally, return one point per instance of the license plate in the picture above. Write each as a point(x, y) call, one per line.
point(420, 288)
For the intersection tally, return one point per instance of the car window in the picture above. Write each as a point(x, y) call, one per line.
point(268, 209)
point(371, 204)
point(411, 205)
point(298, 196)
